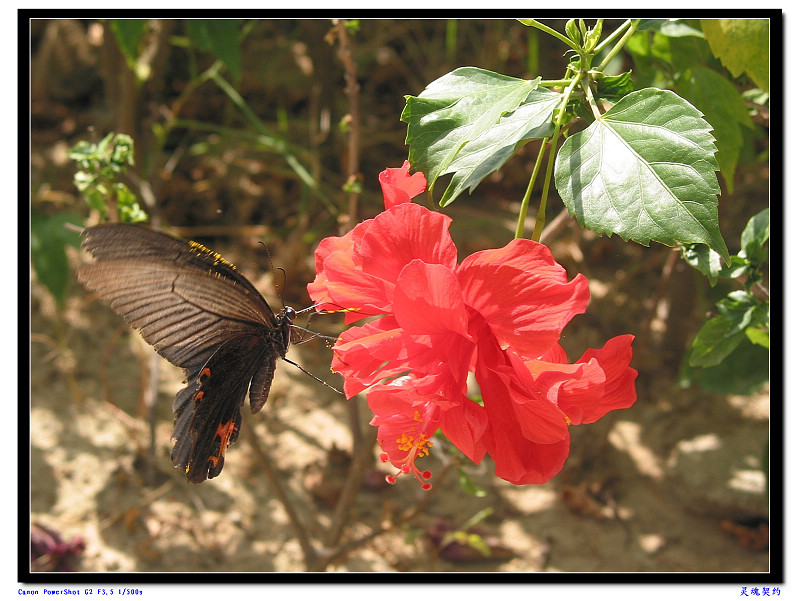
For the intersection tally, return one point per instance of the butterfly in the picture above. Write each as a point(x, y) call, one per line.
point(200, 313)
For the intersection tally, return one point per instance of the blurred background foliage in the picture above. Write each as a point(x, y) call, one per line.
point(241, 130)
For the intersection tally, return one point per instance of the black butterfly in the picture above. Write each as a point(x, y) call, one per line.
point(200, 313)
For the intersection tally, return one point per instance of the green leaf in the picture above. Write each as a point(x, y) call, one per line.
point(742, 45)
point(759, 336)
point(129, 33)
point(720, 335)
point(470, 122)
point(645, 171)
point(221, 38)
point(614, 87)
point(703, 259)
point(660, 59)
point(724, 108)
point(477, 518)
point(468, 485)
point(49, 238)
point(738, 267)
point(121, 153)
point(674, 28)
point(715, 341)
point(654, 24)
point(754, 237)
point(571, 29)
point(128, 205)
point(744, 372)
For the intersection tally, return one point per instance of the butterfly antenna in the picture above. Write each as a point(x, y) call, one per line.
point(308, 373)
point(274, 270)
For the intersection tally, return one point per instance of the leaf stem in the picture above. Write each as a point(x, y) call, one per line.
point(552, 32)
point(612, 36)
point(554, 83)
point(559, 122)
point(523, 210)
point(548, 174)
point(237, 99)
point(632, 25)
point(587, 88)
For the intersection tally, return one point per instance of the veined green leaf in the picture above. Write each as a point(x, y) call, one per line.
point(744, 371)
point(470, 122)
point(716, 340)
point(645, 171)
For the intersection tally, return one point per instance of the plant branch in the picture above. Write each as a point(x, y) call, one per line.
point(343, 550)
point(631, 25)
point(586, 83)
point(362, 458)
point(310, 553)
point(551, 31)
point(351, 90)
point(523, 210)
point(540, 217)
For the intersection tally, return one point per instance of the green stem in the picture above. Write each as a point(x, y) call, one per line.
point(523, 211)
point(632, 25)
point(587, 88)
point(554, 83)
point(618, 31)
point(552, 32)
point(540, 216)
point(193, 84)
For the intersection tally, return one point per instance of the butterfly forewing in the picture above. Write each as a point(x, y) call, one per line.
point(201, 314)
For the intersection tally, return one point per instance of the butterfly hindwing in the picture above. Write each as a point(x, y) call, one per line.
point(208, 411)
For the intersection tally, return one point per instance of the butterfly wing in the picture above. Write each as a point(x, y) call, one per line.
point(184, 299)
point(201, 314)
point(208, 411)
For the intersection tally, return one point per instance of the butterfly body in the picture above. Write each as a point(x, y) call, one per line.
point(201, 314)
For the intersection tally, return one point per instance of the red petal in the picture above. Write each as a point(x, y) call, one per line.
point(399, 187)
point(350, 288)
point(401, 234)
point(340, 283)
point(523, 294)
point(618, 390)
point(531, 463)
point(527, 436)
point(464, 426)
point(507, 386)
point(427, 300)
point(367, 354)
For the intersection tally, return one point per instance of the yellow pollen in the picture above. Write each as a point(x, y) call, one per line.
point(406, 443)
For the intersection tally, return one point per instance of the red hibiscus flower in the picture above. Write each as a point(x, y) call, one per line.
point(498, 314)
